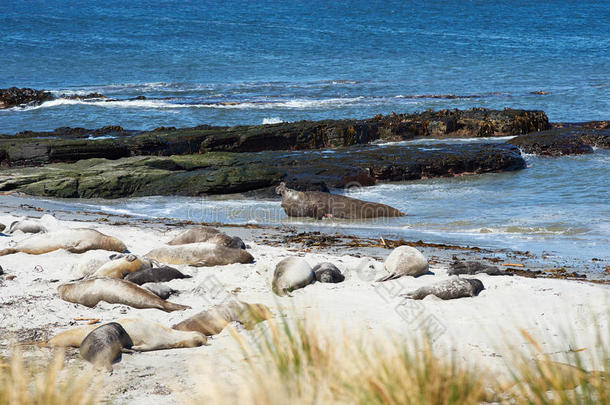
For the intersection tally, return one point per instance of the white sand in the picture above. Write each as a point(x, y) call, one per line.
point(478, 329)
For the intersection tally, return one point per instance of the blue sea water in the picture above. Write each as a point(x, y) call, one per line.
point(252, 62)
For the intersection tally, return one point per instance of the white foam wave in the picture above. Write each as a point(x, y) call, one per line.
point(272, 120)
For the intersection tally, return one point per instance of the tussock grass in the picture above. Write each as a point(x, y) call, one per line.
point(27, 383)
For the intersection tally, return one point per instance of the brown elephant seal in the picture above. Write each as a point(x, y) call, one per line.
point(291, 274)
point(200, 254)
point(155, 275)
point(214, 320)
point(405, 261)
point(328, 273)
point(470, 267)
point(73, 240)
point(160, 290)
point(146, 336)
point(121, 265)
point(455, 287)
point(316, 204)
point(103, 346)
point(26, 226)
point(207, 234)
point(114, 291)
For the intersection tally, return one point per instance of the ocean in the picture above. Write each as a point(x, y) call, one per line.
point(169, 63)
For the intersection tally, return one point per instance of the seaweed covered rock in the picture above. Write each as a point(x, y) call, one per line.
point(14, 96)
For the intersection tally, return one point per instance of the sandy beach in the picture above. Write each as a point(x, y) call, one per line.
point(561, 315)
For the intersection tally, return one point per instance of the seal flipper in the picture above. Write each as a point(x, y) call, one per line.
point(391, 276)
point(8, 251)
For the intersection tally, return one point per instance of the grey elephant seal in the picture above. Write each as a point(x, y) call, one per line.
point(214, 320)
point(155, 275)
point(26, 226)
point(469, 267)
point(2, 228)
point(316, 204)
point(104, 345)
point(200, 254)
point(160, 290)
point(73, 240)
point(405, 261)
point(146, 336)
point(291, 274)
point(207, 234)
point(114, 291)
point(455, 287)
point(328, 273)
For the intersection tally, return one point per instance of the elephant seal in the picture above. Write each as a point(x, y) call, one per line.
point(2, 228)
point(103, 346)
point(160, 290)
point(328, 273)
point(155, 275)
point(207, 234)
point(121, 265)
point(73, 240)
point(145, 336)
point(291, 274)
point(26, 226)
point(200, 254)
point(214, 320)
point(114, 291)
point(316, 204)
point(455, 287)
point(458, 267)
point(405, 261)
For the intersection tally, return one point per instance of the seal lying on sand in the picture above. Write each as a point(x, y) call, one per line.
point(146, 336)
point(328, 273)
point(291, 274)
point(73, 240)
point(26, 226)
point(455, 287)
point(458, 267)
point(104, 345)
point(114, 291)
point(405, 261)
point(316, 204)
point(200, 254)
point(155, 275)
point(207, 234)
point(121, 265)
point(214, 320)
point(160, 290)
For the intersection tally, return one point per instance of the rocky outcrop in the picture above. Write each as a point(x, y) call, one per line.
point(73, 144)
point(221, 172)
point(566, 139)
point(14, 96)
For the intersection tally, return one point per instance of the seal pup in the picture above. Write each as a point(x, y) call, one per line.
point(121, 265)
point(114, 291)
point(155, 275)
point(470, 267)
point(215, 319)
point(26, 226)
point(455, 287)
point(316, 204)
point(291, 274)
point(145, 336)
point(328, 273)
point(103, 346)
point(207, 234)
point(200, 254)
point(405, 261)
point(160, 290)
point(73, 240)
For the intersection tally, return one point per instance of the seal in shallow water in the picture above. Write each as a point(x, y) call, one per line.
point(455, 287)
point(103, 346)
point(207, 234)
point(114, 291)
point(328, 273)
point(405, 261)
point(291, 274)
point(316, 204)
point(200, 254)
point(73, 240)
point(214, 320)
